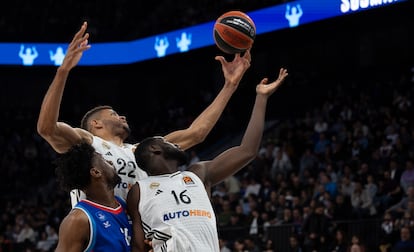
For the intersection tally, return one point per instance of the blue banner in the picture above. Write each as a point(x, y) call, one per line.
point(284, 16)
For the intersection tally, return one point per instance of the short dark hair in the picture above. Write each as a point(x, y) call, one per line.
point(89, 114)
point(72, 167)
point(142, 153)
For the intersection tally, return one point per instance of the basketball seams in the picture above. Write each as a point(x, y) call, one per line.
point(244, 26)
point(239, 39)
point(222, 45)
point(234, 32)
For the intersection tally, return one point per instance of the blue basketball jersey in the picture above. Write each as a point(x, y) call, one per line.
point(110, 227)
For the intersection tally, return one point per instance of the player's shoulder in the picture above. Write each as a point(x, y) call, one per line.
point(85, 135)
point(75, 218)
point(75, 225)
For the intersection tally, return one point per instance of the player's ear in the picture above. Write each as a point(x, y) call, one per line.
point(155, 149)
point(95, 172)
point(96, 123)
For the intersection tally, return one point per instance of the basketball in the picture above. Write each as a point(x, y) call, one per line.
point(234, 32)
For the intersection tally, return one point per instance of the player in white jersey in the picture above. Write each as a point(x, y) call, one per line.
point(103, 127)
point(173, 208)
point(176, 212)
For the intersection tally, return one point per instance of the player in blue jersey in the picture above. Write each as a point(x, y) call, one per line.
point(99, 222)
point(173, 207)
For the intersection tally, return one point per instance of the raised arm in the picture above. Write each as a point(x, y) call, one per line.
point(73, 232)
point(234, 159)
point(59, 135)
point(233, 72)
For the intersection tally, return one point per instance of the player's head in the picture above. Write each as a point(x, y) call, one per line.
point(105, 118)
point(153, 153)
point(76, 167)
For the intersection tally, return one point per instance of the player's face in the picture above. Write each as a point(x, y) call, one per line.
point(110, 172)
point(116, 123)
point(173, 151)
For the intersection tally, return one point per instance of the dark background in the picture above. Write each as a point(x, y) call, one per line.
point(365, 46)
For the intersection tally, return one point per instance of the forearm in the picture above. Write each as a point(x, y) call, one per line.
point(49, 111)
point(253, 136)
point(209, 117)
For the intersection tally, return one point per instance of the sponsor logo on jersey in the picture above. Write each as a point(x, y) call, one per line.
point(188, 180)
point(158, 192)
point(187, 214)
point(105, 145)
point(154, 185)
point(106, 224)
point(101, 216)
point(108, 154)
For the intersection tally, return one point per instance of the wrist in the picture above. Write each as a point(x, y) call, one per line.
point(231, 85)
point(63, 70)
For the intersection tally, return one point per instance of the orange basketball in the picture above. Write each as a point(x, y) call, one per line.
point(234, 32)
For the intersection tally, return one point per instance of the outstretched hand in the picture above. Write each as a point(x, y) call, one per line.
point(233, 71)
point(77, 46)
point(268, 89)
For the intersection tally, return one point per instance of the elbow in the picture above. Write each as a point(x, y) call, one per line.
point(250, 154)
point(43, 130)
point(200, 135)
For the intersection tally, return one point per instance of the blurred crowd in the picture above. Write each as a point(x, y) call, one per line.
point(350, 156)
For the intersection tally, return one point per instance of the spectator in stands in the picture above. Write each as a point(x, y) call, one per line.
point(26, 236)
point(252, 188)
point(389, 191)
point(342, 208)
point(407, 177)
point(406, 220)
point(395, 170)
point(224, 215)
point(269, 246)
point(252, 244)
point(406, 243)
point(339, 244)
point(316, 229)
point(362, 203)
point(239, 246)
point(329, 185)
point(356, 244)
point(43, 244)
point(223, 245)
point(346, 187)
point(281, 164)
point(294, 244)
point(399, 208)
point(308, 162)
point(321, 144)
point(371, 186)
point(320, 126)
point(330, 170)
point(232, 186)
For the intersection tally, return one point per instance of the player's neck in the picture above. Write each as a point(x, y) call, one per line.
point(117, 140)
point(102, 198)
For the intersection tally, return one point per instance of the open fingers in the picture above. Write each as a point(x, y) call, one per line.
point(282, 74)
point(80, 37)
point(81, 31)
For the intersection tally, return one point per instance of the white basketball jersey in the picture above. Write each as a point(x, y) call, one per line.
point(177, 214)
point(122, 157)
